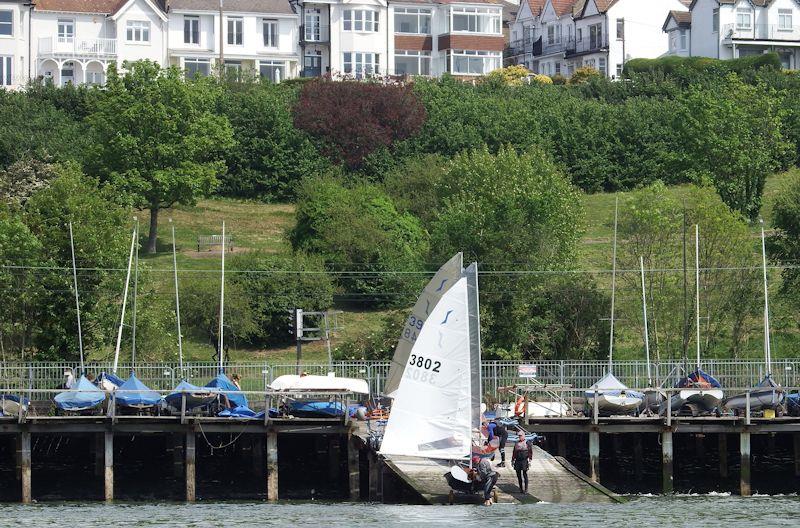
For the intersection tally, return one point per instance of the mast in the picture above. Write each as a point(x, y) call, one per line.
point(646, 333)
point(685, 299)
point(222, 300)
point(177, 298)
point(135, 293)
point(124, 303)
point(697, 288)
point(613, 288)
point(77, 298)
point(767, 346)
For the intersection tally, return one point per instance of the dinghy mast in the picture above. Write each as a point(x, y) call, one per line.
point(697, 289)
point(613, 289)
point(124, 302)
point(177, 298)
point(222, 301)
point(646, 333)
point(77, 298)
point(135, 293)
point(767, 346)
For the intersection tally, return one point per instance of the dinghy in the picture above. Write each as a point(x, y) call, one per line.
point(293, 382)
point(196, 397)
point(12, 405)
point(224, 387)
point(84, 396)
point(108, 381)
point(134, 394)
point(768, 394)
point(316, 409)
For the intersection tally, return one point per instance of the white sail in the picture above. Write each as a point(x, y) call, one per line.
point(444, 279)
point(431, 415)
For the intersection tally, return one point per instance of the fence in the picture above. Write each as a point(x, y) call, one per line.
point(257, 376)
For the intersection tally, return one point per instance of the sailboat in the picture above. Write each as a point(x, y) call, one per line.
point(652, 397)
point(436, 410)
point(441, 282)
point(768, 394)
point(609, 394)
point(700, 391)
point(84, 395)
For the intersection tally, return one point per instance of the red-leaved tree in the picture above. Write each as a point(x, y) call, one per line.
point(354, 119)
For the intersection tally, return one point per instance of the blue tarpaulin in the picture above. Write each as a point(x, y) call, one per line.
point(143, 396)
point(222, 383)
point(110, 377)
point(320, 409)
point(241, 412)
point(195, 396)
point(699, 377)
point(84, 395)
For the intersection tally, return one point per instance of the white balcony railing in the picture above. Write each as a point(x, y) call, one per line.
point(761, 32)
point(75, 47)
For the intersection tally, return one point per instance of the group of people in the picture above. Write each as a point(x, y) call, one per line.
point(521, 456)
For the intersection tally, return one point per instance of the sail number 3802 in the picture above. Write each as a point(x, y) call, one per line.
point(426, 363)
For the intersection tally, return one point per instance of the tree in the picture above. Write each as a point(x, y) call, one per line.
point(353, 119)
point(158, 139)
point(785, 242)
point(23, 178)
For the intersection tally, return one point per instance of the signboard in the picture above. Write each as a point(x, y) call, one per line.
point(527, 371)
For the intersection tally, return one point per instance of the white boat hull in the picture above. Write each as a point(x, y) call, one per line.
point(610, 404)
point(704, 400)
point(10, 407)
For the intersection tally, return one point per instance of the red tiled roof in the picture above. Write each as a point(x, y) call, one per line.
point(562, 7)
point(536, 6)
point(80, 6)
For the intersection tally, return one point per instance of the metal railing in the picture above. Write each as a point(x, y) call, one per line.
point(314, 33)
point(518, 47)
point(588, 45)
point(495, 374)
point(554, 47)
point(761, 32)
point(75, 47)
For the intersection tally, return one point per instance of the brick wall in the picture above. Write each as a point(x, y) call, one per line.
point(471, 42)
point(413, 42)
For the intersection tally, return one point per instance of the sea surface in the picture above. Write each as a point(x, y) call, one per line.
point(690, 511)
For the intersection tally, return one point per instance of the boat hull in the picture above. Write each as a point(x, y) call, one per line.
point(611, 404)
point(11, 406)
point(759, 400)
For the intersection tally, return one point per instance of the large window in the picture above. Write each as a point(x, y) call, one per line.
point(235, 31)
point(715, 21)
point(412, 20)
point(471, 62)
point(476, 20)
point(360, 20)
point(684, 39)
point(360, 63)
point(553, 34)
point(137, 31)
point(595, 36)
point(601, 62)
point(270, 33)
point(66, 30)
point(313, 29)
point(191, 29)
point(273, 71)
point(197, 67)
point(6, 23)
point(5, 70)
point(412, 62)
point(744, 19)
point(784, 19)
point(620, 29)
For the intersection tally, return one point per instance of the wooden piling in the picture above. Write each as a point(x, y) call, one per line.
point(744, 473)
point(667, 478)
point(334, 468)
point(177, 454)
point(638, 465)
point(258, 454)
point(723, 455)
point(189, 464)
point(374, 477)
point(24, 457)
point(594, 455)
point(108, 463)
point(99, 455)
point(353, 468)
point(562, 444)
point(272, 466)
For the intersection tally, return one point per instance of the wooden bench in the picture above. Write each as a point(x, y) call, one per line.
point(210, 241)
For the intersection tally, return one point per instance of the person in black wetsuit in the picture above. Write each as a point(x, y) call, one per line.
point(520, 460)
point(502, 433)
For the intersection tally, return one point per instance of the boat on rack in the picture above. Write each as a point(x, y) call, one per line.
point(12, 404)
point(133, 394)
point(313, 406)
point(768, 394)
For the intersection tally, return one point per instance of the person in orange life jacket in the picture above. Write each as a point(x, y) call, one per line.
point(520, 460)
point(499, 430)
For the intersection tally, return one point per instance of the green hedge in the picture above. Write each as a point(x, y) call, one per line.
point(674, 64)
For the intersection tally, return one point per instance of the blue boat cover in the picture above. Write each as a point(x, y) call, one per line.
point(241, 412)
point(14, 398)
point(700, 378)
point(316, 408)
point(174, 397)
point(144, 395)
point(793, 404)
point(84, 395)
point(110, 377)
point(222, 383)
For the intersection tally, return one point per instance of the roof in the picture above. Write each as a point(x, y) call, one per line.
point(510, 10)
point(562, 7)
point(81, 6)
point(279, 7)
point(536, 6)
point(682, 18)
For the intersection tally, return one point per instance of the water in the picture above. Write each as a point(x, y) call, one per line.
point(689, 511)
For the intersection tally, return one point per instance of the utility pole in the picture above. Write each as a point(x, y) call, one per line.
point(221, 43)
point(298, 335)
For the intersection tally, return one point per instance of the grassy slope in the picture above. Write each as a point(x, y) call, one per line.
point(257, 226)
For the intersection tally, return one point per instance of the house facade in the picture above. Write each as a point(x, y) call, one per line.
point(727, 29)
point(678, 28)
point(14, 54)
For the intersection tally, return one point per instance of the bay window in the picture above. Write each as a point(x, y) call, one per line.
point(361, 63)
point(416, 21)
point(476, 20)
point(361, 20)
point(473, 62)
point(412, 62)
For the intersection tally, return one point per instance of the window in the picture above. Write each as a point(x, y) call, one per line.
point(270, 33)
point(67, 74)
point(619, 70)
point(784, 19)
point(579, 34)
point(235, 31)
point(273, 71)
point(715, 21)
point(66, 30)
point(94, 78)
point(673, 40)
point(360, 20)
point(684, 36)
point(6, 23)
point(476, 20)
point(197, 67)
point(191, 29)
point(360, 63)
point(412, 20)
point(551, 34)
point(558, 68)
point(412, 63)
point(234, 66)
point(601, 62)
point(743, 19)
point(5, 71)
point(137, 31)
point(312, 28)
point(595, 36)
point(471, 62)
point(620, 29)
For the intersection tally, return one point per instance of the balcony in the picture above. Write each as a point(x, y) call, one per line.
point(518, 47)
point(314, 34)
point(588, 45)
point(761, 32)
point(77, 48)
point(561, 46)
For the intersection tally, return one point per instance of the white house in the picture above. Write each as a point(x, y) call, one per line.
point(14, 54)
point(257, 35)
point(74, 41)
point(727, 29)
point(523, 34)
point(557, 31)
point(678, 28)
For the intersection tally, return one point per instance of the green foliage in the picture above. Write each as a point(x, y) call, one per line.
point(678, 65)
point(412, 186)
point(508, 76)
point(23, 178)
point(357, 227)
point(375, 346)
point(583, 75)
point(785, 242)
point(274, 285)
point(157, 138)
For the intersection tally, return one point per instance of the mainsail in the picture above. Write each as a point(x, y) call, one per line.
point(444, 279)
point(432, 414)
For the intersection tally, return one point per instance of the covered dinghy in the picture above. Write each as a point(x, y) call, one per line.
point(222, 384)
point(10, 404)
point(109, 382)
point(195, 396)
point(316, 409)
point(81, 397)
point(613, 397)
point(135, 394)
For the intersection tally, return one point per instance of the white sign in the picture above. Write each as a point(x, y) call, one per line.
point(527, 371)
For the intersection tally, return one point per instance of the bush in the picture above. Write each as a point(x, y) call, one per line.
point(542, 79)
point(375, 346)
point(583, 75)
point(676, 65)
point(508, 76)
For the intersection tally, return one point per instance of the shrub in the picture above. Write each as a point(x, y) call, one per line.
point(583, 75)
point(509, 76)
point(542, 79)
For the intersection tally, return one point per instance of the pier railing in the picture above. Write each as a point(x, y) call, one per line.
point(495, 374)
